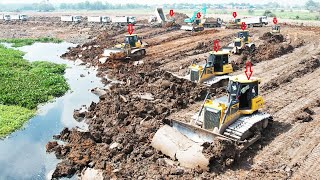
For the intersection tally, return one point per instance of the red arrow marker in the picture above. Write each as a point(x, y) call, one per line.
point(130, 29)
point(275, 20)
point(216, 46)
point(243, 26)
point(234, 14)
point(171, 12)
point(248, 70)
point(198, 15)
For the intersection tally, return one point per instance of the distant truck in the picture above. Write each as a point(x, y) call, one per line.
point(69, 18)
point(16, 17)
point(124, 20)
point(99, 19)
point(257, 21)
point(211, 22)
point(7, 17)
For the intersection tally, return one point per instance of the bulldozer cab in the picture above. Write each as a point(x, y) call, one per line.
point(243, 91)
point(243, 35)
point(197, 22)
point(132, 40)
point(217, 60)
point(276, 29)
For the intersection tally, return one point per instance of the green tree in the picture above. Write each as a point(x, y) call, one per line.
point(311, 5)
point(269, 13)
point(251, 11)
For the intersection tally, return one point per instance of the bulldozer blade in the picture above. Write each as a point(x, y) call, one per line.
point(178, 147)
point(187, 28)
point(183, 142)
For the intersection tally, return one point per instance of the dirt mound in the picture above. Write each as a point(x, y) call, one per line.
point(91, 52)
point(122, 124)
point(272, 38)
point(273, 47)
point(179, 17)
point(221, 153)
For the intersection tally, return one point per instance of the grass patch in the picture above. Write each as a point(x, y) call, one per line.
point(29, 41)
point(24, 86)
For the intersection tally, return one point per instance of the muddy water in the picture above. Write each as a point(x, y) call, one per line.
point(22, 154)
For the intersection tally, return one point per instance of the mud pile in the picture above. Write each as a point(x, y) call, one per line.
point(221, 154)
point(273, 47)
point(91, 52)
point(272, 38)
point(179, 17)
point(307, 113)
point(122, 124)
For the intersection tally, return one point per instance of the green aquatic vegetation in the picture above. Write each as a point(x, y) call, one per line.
point(25, 85)
point(12, 118)
point(30, 41)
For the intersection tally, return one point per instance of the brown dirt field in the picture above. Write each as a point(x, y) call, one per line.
point(289, 87)
point(122, 124)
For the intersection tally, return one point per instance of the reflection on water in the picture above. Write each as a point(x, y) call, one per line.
point(22, 154)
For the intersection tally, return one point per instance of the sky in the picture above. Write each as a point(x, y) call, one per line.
point(283, 2)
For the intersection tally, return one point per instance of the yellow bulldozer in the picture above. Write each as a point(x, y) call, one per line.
point(240, 43)
point(132, 47)
point(275, 29)
point(215, 70)
point(234, 24)
point(235, 117)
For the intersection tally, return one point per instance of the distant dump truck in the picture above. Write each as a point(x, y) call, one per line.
point(211, 22)
point(69, 18)
point(99, 19)
point(1, 16)
point(124, 20)
point(15, 17)
point(7, 17)
point(23, 17)
point(257, 21)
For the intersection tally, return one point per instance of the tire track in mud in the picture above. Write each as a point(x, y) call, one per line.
point(287, 153)
point(190, 49)
point(305, 66)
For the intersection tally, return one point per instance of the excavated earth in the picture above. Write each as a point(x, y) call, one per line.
point(123, 122)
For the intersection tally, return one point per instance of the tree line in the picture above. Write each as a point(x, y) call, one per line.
point(99, 5)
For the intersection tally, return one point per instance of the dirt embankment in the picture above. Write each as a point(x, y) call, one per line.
point(275, 45)
point(178, 17)
point(121, 127)
point(122, 124)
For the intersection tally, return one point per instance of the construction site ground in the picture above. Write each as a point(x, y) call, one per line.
point(122, 124)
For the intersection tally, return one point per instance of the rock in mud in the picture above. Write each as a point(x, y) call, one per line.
point(79, 115)
point(219, 153)
point(90, 173)
point(304, 117)
point(51, 145)
point(64, 169)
